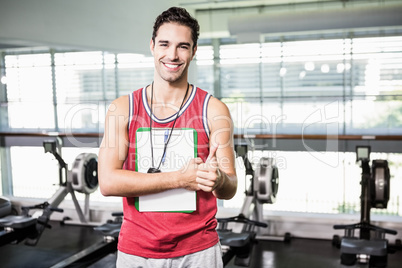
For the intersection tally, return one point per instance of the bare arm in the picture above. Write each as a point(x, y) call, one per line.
point(114, 180)
point(218, 175)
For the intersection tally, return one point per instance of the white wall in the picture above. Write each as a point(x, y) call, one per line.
point(115, 26)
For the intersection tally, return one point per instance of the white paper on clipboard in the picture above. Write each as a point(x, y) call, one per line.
point(181, 148)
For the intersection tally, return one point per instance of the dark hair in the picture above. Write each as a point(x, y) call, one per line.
point(178, 15)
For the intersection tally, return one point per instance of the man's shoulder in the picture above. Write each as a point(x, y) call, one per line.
point(217, 107)
point(119, 106)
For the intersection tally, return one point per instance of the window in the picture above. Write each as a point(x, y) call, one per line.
point(205, 68)
point(357, 80)
point(29, 91)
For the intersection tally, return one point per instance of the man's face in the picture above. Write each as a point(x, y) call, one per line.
point(172, 51)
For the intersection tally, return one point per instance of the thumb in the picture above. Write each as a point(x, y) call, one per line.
point(212, 151)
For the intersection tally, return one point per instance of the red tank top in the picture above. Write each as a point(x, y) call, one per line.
point(169, 234)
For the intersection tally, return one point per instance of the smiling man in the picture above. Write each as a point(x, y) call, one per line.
point(200, 165)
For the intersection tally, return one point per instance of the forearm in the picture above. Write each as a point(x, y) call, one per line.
point(128, 183)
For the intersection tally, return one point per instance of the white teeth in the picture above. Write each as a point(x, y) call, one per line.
point(171, 65)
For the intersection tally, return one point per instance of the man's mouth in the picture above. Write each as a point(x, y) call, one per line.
point(172, 66)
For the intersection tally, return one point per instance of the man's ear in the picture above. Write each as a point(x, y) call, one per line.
point(194, 50)
point(152, 46)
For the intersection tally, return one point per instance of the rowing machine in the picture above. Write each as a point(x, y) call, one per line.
point(82, 178)
point(263, 189)
point(371, 244)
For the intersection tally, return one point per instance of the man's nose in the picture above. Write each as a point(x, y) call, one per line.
point(172, 53)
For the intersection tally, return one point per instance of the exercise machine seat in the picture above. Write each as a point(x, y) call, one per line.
point(17, 222)
point(240, 244)
point(232, 239)
point(361, 246)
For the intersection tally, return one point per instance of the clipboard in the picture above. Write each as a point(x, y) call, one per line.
point(181, 148)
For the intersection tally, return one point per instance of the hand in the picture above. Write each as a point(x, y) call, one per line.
point(188, 174)
point(209, 176)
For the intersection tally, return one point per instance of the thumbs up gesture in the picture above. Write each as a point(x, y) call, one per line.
point(209, 176)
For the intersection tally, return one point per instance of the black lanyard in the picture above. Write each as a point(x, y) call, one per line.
point(153, 169)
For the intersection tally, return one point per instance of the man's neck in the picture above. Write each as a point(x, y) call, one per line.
point(169, 93)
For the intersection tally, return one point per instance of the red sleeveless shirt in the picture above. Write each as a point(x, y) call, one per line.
point(169, 234)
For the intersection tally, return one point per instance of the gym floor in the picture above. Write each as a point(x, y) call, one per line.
point(62, 241)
